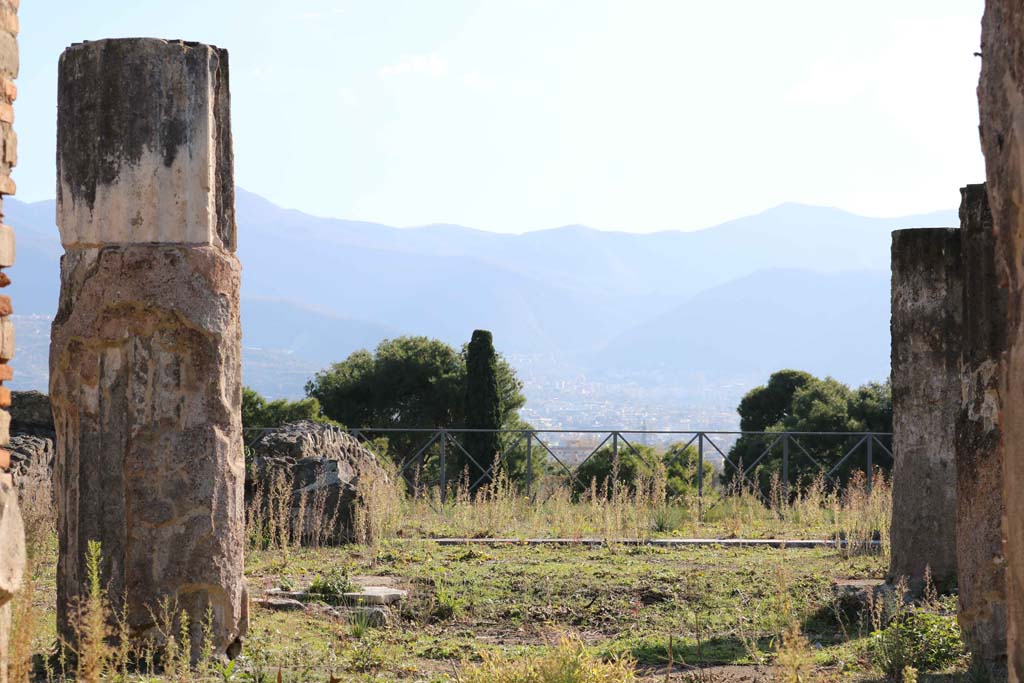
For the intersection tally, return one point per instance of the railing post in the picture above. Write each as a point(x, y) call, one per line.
point(700, 476)
point(785, 467)
point(871, 464)
point(615, 465)
point(444, 466)
point(529, 463)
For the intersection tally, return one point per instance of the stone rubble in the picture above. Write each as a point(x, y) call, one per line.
point(324, 466)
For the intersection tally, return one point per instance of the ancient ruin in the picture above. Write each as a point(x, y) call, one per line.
point(927, 286)
point(323, 469)
point(1001, 100)
point(12, 536)
point(145, 371)
point(979, 453)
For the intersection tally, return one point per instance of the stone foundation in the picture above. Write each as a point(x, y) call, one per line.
point(145, 356)
point(927, 290)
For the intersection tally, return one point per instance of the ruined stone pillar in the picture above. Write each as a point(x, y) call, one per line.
point(979, 454)
point(926, 327)
point(145, 351)
point(12, 536)
point(1001, 99)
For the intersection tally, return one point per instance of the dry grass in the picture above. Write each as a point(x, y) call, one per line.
point(499, 509)
point(569, 661)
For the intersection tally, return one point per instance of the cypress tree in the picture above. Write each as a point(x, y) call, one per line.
point(483, 406)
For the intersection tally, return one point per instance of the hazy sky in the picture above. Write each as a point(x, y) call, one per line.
point(516, 115)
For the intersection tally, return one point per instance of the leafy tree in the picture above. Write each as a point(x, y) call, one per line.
point(259, 413)
point(872, 406)
point(679, 461)
point(409, 383)
point(766, 405)
point(600, 467)
point(482, 407)
point(794, 401)
point(681, 469)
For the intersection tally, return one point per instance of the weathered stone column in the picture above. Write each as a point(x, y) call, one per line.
point(979, 455)
point(12, 535)
point(1001, 99)
point(145, 369)
point(926, 327)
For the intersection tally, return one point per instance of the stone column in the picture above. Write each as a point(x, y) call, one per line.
point(979, 454)
point(145, 369)
point(12, 536)
point(926, 327)
point(1001, 100)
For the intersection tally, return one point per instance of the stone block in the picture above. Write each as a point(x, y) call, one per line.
point(6, 246)
point(279, 604)
point(9, 22)
point(159, 166)
point(5, 306)
point(8, 90)
point(927, 318)
point(7, 185)
point(12, 540)
point(6, 372)
point(6, 339)
point(8, 55)
point(376, 595)
point(10, 146)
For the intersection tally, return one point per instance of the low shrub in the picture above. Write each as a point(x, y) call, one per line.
point(332, 586)
point(923, 641)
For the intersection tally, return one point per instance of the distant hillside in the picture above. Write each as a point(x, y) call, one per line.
point(735, 297)
point(826, 323)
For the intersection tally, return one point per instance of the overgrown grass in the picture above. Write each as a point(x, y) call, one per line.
point(499, 509)
point(512, 612)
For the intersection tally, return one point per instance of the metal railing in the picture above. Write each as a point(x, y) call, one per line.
point(424, 457)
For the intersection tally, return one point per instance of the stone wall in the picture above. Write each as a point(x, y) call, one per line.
point(979, 453)
point(145, 351)
point(926, 328)
point(1001, 100)
point(12, 539)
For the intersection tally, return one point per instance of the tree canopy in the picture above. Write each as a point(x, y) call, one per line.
point(679, 461)
point(410, 383)
point(482, 407)
point(795, 401)
point(259, 413)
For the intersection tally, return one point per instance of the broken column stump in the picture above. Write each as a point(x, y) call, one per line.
point(979, 454)
point(926, 328)
point(145, 351)
point(1001, 100)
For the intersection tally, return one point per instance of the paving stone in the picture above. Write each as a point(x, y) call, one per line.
point(377, 595)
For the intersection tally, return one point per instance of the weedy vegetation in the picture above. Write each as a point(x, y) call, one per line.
point(520, 613)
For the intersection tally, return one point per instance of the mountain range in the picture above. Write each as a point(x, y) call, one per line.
point(794, 286)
